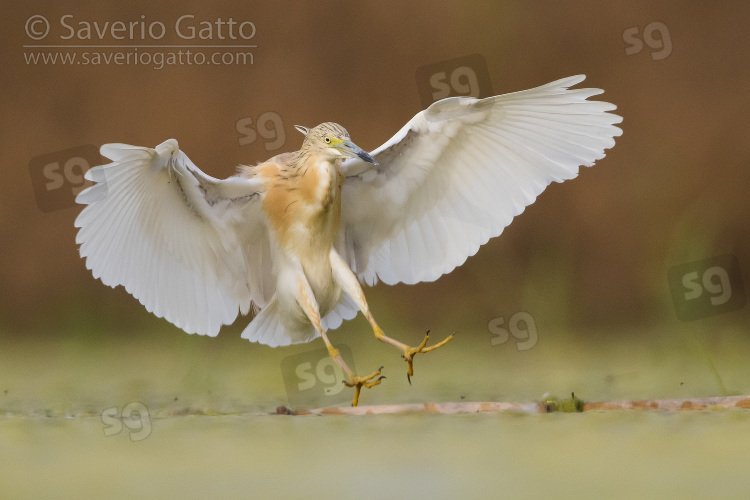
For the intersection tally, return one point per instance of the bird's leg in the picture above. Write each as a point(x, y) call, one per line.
point(306, 300)
point(350, 285)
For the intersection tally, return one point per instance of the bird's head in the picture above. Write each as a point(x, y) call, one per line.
point(332, 140)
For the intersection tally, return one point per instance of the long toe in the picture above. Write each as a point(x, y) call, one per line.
point(422, 348)
point(367, 382)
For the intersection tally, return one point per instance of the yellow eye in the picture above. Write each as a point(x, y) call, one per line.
point(328, 140)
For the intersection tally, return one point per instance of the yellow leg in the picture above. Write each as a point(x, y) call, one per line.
point(350, 285)
point(307, 301)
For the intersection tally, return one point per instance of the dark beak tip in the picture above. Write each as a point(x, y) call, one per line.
point(364, 155)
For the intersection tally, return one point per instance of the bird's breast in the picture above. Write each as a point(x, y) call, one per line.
point(303, 207)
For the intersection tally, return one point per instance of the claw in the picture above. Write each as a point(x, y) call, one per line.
point(367, 382)
point(409, 352)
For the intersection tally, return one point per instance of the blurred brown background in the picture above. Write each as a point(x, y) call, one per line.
point(589, 261)
point(591, 255)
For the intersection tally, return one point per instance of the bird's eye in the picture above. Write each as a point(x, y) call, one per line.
point(328, 140)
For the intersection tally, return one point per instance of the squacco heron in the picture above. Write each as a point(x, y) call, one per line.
point(296, 236)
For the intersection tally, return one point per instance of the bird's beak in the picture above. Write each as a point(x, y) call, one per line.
point(354, 151)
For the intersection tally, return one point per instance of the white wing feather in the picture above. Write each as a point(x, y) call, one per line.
point(194, 249)
point(188, 246)
point(459, 171)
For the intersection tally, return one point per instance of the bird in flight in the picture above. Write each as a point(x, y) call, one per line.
point(297, 235)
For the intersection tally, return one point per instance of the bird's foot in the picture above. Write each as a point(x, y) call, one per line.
point(409, 352)
point(367, 382)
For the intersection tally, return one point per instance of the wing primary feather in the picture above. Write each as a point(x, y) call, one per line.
point(459, 172)
point(157, 235)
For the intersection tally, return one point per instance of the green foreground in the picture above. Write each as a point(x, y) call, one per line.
point(211, 432)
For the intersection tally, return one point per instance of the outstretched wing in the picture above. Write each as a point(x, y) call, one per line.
point(459, 171)
point(191, 248)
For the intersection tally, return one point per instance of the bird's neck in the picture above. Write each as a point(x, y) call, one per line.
point(322, 180)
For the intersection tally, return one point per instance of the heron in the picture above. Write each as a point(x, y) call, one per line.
point(293, 239)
